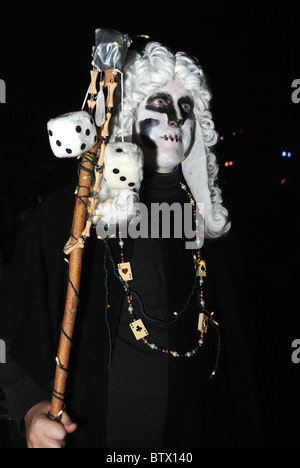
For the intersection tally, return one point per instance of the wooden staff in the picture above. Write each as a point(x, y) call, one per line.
point(85, 201)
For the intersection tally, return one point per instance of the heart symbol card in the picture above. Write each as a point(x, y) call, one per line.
point(125, 271)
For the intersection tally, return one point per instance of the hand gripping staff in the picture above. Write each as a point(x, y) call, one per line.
point(109, 54)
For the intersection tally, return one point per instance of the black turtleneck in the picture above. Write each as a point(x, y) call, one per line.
point(163, 277)
point(158, 188)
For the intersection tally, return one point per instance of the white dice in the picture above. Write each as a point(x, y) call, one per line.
point(122, 176)
point(123, 165)
point(72, 134)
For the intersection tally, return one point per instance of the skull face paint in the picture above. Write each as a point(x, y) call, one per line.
point(164, 127)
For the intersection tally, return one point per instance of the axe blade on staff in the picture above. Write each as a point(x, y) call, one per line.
point(109, 55)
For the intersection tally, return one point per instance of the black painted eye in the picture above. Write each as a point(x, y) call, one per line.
point(158, 102)
point(186, 107)
point(116, 171)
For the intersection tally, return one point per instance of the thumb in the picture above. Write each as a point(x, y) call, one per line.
point(69, 425)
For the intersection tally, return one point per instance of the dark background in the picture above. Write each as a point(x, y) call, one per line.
point(250, 56)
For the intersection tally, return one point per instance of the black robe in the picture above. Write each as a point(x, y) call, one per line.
point(120, 392)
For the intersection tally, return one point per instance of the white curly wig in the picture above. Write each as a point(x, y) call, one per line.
point(146, 72)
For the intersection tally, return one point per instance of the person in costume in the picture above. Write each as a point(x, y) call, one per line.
point(164, 388)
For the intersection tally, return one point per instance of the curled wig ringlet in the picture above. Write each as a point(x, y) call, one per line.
point(152, 69)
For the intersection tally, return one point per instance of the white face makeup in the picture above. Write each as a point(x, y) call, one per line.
point(164, 127)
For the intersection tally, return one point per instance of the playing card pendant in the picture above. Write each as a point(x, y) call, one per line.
point(138, 329)
point(203, 323)
point(125, 271)
point(201, 268)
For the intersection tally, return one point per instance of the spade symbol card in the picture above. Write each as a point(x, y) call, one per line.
point(125, 271)
point(138, 329)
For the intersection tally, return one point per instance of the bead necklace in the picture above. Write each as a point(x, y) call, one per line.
point(137, 326)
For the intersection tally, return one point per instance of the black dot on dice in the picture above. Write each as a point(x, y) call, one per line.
point(50, 133)
point(131, 184)
point(83, 146)
point(122, 178)
point(116, 171)
point(78, 129)
point(119, 150)
point(58, 143)
point(69, 151)
point(87, 132)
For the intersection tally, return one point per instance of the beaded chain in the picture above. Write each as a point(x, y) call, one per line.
point(137, 326)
